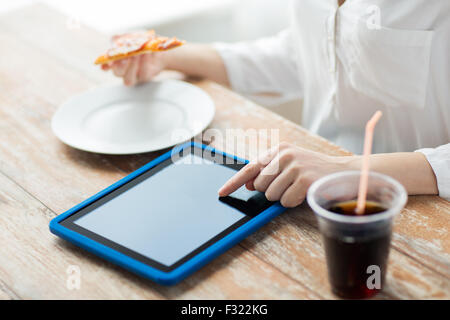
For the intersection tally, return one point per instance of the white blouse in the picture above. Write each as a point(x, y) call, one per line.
point(347, 62)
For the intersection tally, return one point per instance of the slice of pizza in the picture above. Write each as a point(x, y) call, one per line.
point(136, 43)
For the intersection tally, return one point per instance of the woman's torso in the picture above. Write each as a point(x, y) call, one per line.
point(370, 55)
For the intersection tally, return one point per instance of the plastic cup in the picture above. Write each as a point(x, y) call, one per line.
point(356, 247)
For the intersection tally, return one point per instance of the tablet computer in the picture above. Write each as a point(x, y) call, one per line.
point(165, 220)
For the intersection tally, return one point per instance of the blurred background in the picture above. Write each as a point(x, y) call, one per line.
point(192, 20)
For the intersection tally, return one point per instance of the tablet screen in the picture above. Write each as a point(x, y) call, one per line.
point(165, 216)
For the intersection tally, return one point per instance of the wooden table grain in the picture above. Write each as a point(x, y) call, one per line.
point(44, 60)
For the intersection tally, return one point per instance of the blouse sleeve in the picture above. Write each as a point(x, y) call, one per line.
point(439, 159)
point(266, 65)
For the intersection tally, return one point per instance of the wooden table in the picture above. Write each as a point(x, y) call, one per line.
point(43, 63)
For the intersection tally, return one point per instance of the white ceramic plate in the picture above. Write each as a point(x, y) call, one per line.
point(123, 120)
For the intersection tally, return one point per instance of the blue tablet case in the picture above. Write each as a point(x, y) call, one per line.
point(176, 275)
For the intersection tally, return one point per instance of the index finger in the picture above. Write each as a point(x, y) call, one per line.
point(106, 66)
point(246, 174)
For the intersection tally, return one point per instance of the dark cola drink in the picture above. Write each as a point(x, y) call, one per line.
point(356, 245)
point(351, 260)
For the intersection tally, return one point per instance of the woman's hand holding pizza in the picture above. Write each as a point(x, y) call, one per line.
point(137, 69)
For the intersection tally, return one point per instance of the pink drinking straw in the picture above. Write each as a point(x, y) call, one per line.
point(364, 179)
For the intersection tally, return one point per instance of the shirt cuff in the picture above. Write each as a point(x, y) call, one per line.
point(439, 159)
point(232, 65)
